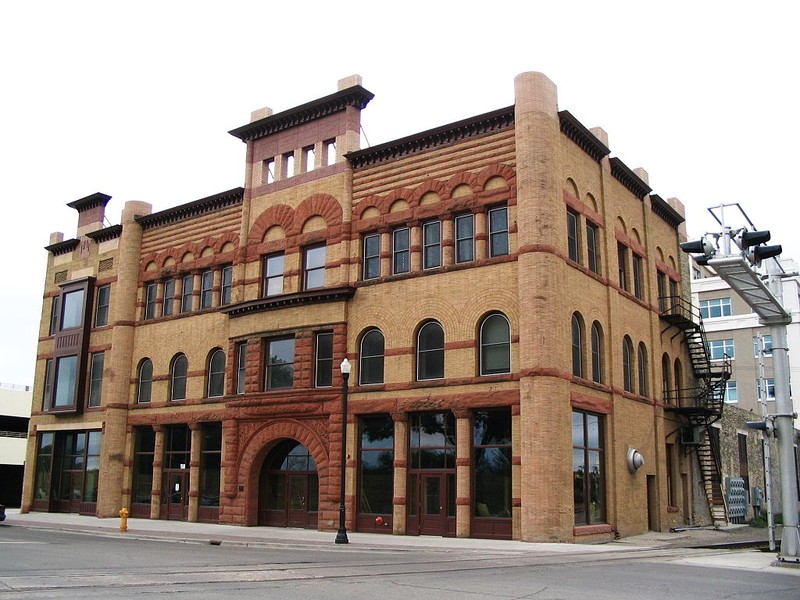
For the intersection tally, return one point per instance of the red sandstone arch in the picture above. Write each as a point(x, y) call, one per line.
point(324, 205)
point(258, 445)
point(280, 214)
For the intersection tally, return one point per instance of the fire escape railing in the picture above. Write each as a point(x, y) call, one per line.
point(701, 406)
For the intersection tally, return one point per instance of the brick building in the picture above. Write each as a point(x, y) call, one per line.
point(501, 286)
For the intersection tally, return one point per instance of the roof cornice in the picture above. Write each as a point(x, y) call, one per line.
point(585, 139)
point(629, 179)
point(353, 96)
point(662, 209)
point(440, 136)
point(89, 202)
point(275, 302)
point(64, 247)
point(192, 209)
point(103, 235)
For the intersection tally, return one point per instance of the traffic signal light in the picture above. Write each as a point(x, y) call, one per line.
point(702, 250)
point(754, 248)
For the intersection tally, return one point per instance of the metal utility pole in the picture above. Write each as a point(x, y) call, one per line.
point(765, 444)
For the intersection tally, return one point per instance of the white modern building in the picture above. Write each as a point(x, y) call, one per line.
point(15, 413)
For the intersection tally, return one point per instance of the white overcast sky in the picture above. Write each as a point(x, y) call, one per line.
point(135, 99)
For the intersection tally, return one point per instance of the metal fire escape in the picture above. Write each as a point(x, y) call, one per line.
point(702, 405)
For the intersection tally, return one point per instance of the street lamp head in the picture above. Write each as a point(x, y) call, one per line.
point(345, 367)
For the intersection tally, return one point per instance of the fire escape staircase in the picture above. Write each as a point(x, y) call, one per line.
point(701, 406)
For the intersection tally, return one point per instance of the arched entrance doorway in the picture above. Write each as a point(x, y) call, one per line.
point(288, 487)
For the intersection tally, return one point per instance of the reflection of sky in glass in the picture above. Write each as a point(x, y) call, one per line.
point(94, 442)
point(577, 429)
point(593, 428)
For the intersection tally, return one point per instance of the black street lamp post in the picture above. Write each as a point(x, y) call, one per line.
point(341, 535)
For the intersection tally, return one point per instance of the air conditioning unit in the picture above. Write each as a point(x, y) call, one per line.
point(690, 435)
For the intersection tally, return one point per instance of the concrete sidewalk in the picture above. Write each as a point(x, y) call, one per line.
point(727, 545)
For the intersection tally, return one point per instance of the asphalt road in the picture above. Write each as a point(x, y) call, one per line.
point(37, 563)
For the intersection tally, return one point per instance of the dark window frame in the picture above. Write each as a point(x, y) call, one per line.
point(401, 251)
point(206, 289)
point(432, 245)
point(371, 245)
point(499, 239)
point(272, 281)
point(215, 387)
point(427, 356)
point(313, 270)
point(102, 305)
point(489, 347)
point(465, 244)
point(178, 377)
point(323, 359)
point(95, 387)
point(273, 368)
point(370, 361)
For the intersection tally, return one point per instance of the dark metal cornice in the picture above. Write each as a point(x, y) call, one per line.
point(585, 139)
point(103, 235)
point(662, 209)
point(277, 302)
point(89, 202)
point(64, 247)
point(192, 209)
point(353, 96)
point(629, 179)
point(446, 134)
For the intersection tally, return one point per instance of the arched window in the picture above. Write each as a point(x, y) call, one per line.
point(627, 364)
point(430, 351)
point(642, 364)
point(495, 345)
point(216, 374)
point(370, 358)
point(577, 345)
point(177, 377)
point(666, 383)
point(145, 381)
point(597, 353)
point(678, 377)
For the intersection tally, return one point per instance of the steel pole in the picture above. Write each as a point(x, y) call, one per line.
point(784, 427)
point(341, 534)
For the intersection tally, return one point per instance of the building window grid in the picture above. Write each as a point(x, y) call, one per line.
point(432, 245)
point(372, 256)
point(498, 232)
point(186, 293)
point(622, 265)
point(273, 275)
point(371, 356)
point(430, 352)
point(588, 468)
point(401, 250)
point(323, 360)
point(713, 308)
point(593, 247)
point(227, 285)
point(178, 377)
point(465, 238)
point(169, 298)
point(206, 289)
point(279, 363)
point(145, 389)
point(95, 379)
point(638, 276)
point(573, 244)
point(150, 301)
point(314, 267)
point(216, 374)
point(731, 392)
point(103, 302)
point(495, 346)
point(721, 349)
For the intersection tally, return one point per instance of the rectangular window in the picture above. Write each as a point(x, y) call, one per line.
point(432, 245)
point(72, 312)
point(731, 393)
point(66, 380)
point(143, 456)
point(770, 385)
point(288, 165)
point(169, 298)
point(573, 247)
point(376, 465)
point(96, 379)
point(593, 247)
point(54, 315)
point(638, 276)
point(241, 367)
point(465, 238)
point(210, 463)
point(372, 256)
point(227, 285)
point(663, 300)
point(622, 265)
point(763, 343)
point(744, 470)
point(273, 275)
point(151, 292)
point(588, 468)
point(103, 301)
point(401, 250)
point(206, 288)
point(48, 384)
point(280, 363)
point(720, 349)
point(269, 171)
point(314, 267)
point(491, 441)
point(329, 147)
point(323, 363)
point(186, 293)
point(498, 231)
point(715, 307)
point(308, 159)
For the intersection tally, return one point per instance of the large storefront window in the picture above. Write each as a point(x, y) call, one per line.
point(144, 452)
point(68, 471)
point(588, 468)
point(210, 461)
point(492, 463)
point(376, 472)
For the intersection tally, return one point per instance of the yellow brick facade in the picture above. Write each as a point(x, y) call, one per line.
point(529, 164)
